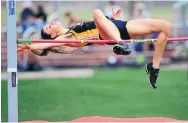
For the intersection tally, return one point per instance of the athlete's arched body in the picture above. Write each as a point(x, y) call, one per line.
point(103, 28)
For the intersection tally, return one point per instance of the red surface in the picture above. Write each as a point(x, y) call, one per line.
point(109, 119)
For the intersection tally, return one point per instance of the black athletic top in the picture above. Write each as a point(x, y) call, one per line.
point(85, 31)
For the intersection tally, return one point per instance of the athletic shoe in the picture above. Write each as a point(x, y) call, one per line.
point(153, 74)
point(121, 49)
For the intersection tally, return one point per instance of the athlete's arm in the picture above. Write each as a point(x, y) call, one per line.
point(65, 37)
point(38, 46)
point(42, 46)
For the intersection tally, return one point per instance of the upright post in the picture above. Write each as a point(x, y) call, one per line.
point(12, 62)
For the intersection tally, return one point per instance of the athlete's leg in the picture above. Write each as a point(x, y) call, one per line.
point(148, 26)
point(109, 31)
point(141, 27)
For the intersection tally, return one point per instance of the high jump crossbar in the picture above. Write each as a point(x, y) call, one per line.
point(29, 41)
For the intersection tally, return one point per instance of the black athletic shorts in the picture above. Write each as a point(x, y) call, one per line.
point(121, 25)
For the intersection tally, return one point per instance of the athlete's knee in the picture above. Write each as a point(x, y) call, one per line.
point(98, 14)
point(165, 31)
point(166, 27)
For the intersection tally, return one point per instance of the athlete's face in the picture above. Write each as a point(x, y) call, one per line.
point(52, 28)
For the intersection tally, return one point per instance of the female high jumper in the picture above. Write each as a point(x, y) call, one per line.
point(104, 28)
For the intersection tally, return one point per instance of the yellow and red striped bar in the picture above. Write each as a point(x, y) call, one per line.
point(29, 41)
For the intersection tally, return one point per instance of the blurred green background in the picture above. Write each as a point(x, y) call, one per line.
point(164, 13)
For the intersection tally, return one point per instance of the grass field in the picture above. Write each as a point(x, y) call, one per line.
point(110, 92)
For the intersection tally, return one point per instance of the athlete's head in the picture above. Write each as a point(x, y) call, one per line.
point(51, 30)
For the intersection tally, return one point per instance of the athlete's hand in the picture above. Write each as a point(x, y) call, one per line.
point(117, 14)
point(23, 48)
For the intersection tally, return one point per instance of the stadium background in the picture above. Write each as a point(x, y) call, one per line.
point(95, 82)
